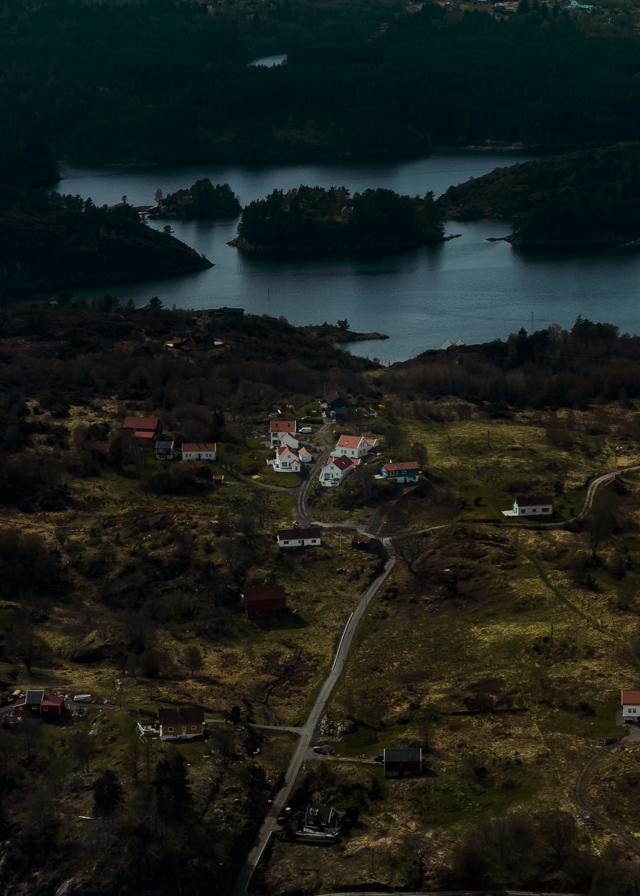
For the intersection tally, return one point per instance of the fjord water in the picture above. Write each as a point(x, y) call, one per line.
point(467, 289)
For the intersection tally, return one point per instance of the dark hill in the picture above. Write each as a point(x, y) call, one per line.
point(589, 198)
point(51, 241)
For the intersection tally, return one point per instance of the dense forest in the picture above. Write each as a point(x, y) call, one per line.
point(48, 240)
point(583, 198)
point(96, 82)
point(201, 200)
point(547, 368)
point(315, 220)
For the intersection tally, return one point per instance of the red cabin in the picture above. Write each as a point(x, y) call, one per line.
point(263, 599)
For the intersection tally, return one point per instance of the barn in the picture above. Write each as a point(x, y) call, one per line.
point(399, 763)
point(263, 599)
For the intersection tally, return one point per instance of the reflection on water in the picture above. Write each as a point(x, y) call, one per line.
point(467, 289)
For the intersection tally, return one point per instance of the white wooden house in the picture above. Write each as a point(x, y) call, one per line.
point(630, 700)
point(353, 446)
point(289, 440)
point(335, 470)
point(286, 460)
point(531, 505)
point(298, 538)
point(280, 428)
point(199, 451)
point(403, 471)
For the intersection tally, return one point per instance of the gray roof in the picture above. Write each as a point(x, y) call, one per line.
point(531, 500)
point(408, 754)
point(34, 698)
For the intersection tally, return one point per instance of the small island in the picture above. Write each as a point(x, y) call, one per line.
point(202, 200)
point(575, 201)
point(50, 241)
point(318, 221)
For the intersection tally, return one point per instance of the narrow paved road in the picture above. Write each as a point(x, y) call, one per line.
point(307, 732)
point(597, 816)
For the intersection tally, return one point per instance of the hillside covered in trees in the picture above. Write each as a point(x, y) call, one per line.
point(589, 198)
point(52, 241)
point(315, 220)
point(360, 82)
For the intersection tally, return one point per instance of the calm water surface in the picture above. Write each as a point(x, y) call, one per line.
point(467, 289)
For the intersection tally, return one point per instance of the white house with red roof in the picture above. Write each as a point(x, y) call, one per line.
point(286, 460)
point(336, 469)
point(280, 428)
point(630, 700)
point(353, 446)
point(199, 450)
point(402, 471)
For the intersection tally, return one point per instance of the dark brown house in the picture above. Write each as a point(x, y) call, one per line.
point(400, 763)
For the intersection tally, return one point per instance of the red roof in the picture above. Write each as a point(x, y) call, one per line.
point(348, 441)
point(53, 700)
point(283, 449)
point(143, 434)
point(144, 424)
point(199, 447)
point(257, 593)
point(283, 426)
point(401, 465)
point(630, 697)
point(342, 463)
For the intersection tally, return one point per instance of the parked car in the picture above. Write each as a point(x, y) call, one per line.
point(324, 749)
point(305, 430)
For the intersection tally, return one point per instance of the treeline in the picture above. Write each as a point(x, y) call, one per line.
point(547, 368)
point(77, 81)
point(48, 240)
point(313, 219)
point(583, 198)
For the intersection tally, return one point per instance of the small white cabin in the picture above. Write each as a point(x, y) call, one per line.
point(199, 451)
point(298, 538)
point(538, 505)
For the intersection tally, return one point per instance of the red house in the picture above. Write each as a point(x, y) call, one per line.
point(144, 428)
point(263, 599)
point(37, 702)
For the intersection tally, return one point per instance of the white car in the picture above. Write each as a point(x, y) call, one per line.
point(305, 430)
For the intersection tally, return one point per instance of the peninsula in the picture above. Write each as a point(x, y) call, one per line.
point(51, 241)
point(578, 200)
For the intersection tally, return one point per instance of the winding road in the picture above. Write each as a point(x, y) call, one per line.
point(306, 732)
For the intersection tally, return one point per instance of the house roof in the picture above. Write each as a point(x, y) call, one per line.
point(530, 500)
point(342, 463)
point(197, 447)
point(53, 700)
point(401, 465)
point(141, 423)
point(407, 754)
point(257, 593)
point(349, 441)
point(34, 698)
point(283, 426)
point(191, 715)
point(164, 444)
point(630, 697)
point(284, 449)
point(143, 434)
point(299, 533)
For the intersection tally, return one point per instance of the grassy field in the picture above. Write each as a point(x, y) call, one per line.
point(476, 466)
point(504, 669)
